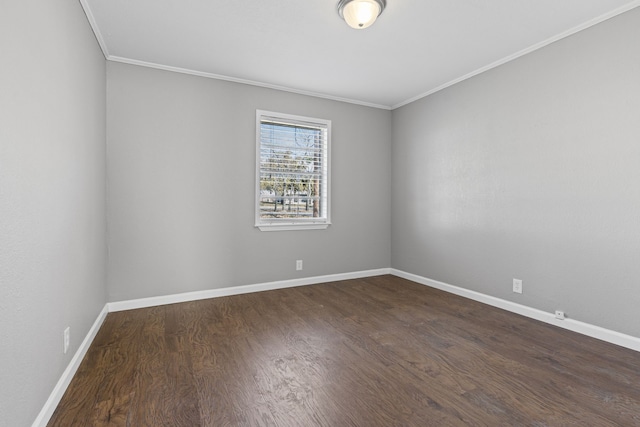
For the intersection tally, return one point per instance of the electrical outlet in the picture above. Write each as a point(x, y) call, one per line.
point(299, 264)
point(66, 338)
point(517, 286)
point(560, 315)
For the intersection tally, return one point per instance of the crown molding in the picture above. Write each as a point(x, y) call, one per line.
point(244, 81)
point(523, 52)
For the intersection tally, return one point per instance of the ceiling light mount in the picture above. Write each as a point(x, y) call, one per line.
point(360, 14)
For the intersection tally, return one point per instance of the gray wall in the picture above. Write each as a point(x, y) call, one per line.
point(181, 170)
point(529, 171)
point(52, 196)
point(532, 171)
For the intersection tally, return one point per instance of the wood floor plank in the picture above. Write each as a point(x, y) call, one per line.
point(380, 351)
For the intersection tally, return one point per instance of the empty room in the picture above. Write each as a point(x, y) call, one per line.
point(320, 213)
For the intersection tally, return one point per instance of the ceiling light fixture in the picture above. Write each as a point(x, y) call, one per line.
point(360, 14)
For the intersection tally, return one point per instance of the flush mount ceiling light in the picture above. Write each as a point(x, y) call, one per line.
point(360, 14)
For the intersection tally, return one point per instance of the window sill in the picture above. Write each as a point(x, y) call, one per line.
point(292, 227)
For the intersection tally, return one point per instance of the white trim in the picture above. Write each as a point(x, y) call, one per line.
point(56, 395)
point(291, 224)
point(243, 81)
point(523, 52)
point(58, 391)
point(583, 26)
point(94, 27)
point(583, 328)
point(238, 290)
point(603, 334)
point(292, 227)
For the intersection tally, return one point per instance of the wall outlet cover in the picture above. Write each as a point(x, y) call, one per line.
point(66, 336)
point(517, 286)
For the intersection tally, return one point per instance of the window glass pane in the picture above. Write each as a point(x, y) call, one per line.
point(292, 170)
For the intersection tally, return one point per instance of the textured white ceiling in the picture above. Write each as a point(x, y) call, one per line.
point(415, 47)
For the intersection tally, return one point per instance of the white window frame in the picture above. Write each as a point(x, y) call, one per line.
point(285, 224)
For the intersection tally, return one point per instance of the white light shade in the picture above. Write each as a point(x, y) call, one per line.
point(361, 14)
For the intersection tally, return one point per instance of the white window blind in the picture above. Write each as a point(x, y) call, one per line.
point(292, 168)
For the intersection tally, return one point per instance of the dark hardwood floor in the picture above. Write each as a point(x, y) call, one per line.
point(380, 351)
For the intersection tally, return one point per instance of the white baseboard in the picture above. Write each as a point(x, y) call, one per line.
point(58, 391)
point(56, 395)
point(603, 334)
point(583, 328)
point(238, 290)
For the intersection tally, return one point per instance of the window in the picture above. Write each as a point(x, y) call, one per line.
point(292, 169)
